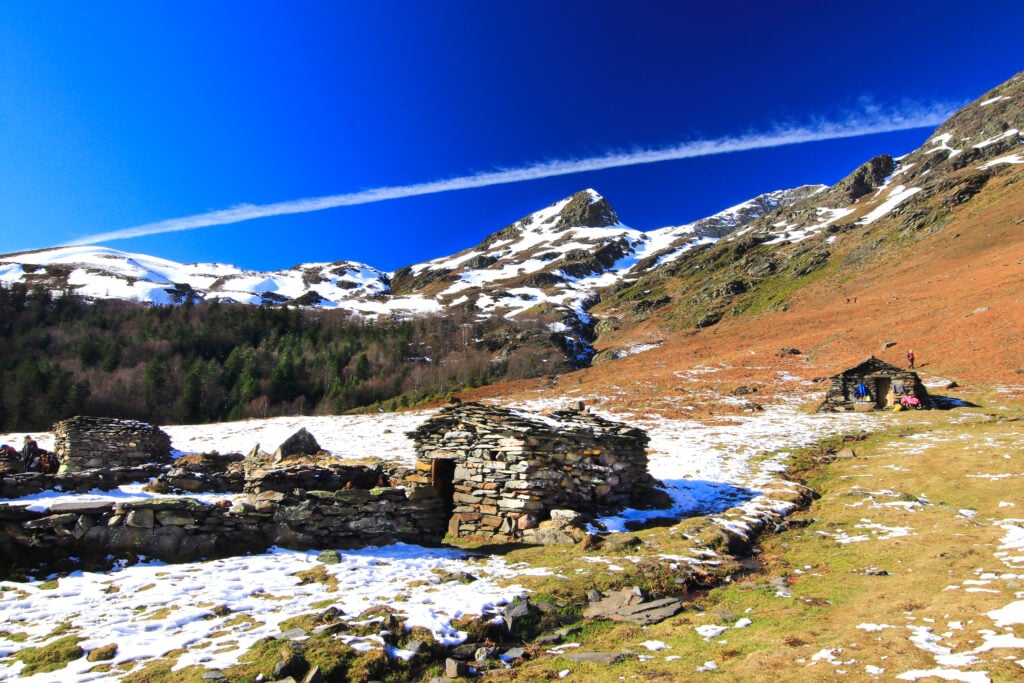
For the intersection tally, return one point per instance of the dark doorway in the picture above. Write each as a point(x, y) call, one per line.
point(883, 386)
point(442, 478)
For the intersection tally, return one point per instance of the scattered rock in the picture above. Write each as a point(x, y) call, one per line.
point(453, 668)
point(514, 653)
point(620, 542)
point(709, 320)
point(874, 571)
point(329, 557)
point(314, 676)
point(293, 634)
point(888, 345)
point(458, 577)
point(482, 654)
point(464, 651)
point(517, 610)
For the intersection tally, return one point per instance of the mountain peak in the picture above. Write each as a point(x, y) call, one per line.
point(584, 209)
point(587, 209)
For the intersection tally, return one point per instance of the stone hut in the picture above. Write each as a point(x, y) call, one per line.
point(87, 443)
point(501, 472)
point(884, 385)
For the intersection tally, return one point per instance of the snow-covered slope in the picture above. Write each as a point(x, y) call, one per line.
point(102, 273)
point(562, 256)
point(554, 261)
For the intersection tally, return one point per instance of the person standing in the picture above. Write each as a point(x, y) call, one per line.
point(910, 359)
point(29, 450)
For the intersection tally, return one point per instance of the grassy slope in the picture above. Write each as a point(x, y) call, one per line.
point(927, 520)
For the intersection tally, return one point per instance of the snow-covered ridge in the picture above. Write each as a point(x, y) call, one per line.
point(104, 273)
point(557, 258)
point(555, 261)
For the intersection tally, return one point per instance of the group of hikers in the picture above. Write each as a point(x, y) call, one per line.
point(32, 458)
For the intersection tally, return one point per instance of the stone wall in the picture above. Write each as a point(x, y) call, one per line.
point(503, 471)
point(103, 479)
point(184, 529)
point(310, 477)
point(85, 443)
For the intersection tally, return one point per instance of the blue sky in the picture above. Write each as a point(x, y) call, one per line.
point(117, 115)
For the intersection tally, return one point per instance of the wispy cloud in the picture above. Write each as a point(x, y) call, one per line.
point(907, 118)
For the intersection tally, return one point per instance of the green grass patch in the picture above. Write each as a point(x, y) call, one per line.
point(318, 574)
point(50, 657)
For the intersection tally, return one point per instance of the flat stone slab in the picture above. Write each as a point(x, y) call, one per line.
point(18, 513)
point(629, 605)
point(595, 657)
point(84, 508)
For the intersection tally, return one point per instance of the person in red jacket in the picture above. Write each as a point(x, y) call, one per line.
point(910, 359)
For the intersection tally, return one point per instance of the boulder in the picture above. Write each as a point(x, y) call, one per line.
point(299, 443)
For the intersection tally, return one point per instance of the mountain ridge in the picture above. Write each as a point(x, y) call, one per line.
point(549, 266)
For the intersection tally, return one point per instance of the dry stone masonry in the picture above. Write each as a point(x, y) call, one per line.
point(482, 472)
point(184, 529)
point(502, 472)
point(87, 443)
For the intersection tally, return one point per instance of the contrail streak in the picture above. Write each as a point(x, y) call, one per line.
point(892, 122)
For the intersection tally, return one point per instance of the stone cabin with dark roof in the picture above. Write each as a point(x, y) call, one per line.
point(873, 385)
point(501, 472)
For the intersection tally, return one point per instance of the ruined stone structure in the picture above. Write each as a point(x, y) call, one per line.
point(501, 472)
point(184, 529)
point(482, 472)
point(86, 443)
point(885, 383)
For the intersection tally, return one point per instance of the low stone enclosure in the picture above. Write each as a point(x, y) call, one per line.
point(885, 383)
point(483, 472)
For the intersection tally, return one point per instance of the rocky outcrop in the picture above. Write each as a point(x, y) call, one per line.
point(865, 178)
point(586, 209)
